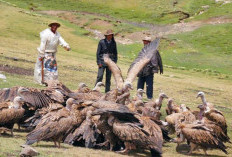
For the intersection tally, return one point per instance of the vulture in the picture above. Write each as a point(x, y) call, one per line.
point(11, 113)
point(92, 95)
point(133, 132)
point(217, 117)
point(202, 96)
point(199, 136)
point(172, 108)
point(33, 121)
point(54, 125)
point(8, 94)
point(158, 102)
point(143, 58)
point(82, 88)
point(217, 124)
point(87, 132)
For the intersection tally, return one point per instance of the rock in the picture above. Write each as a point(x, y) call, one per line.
point(183, 148)
point(28, 151)
point(2, 76)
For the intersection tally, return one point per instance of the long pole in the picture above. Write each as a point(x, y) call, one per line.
point(42, 70)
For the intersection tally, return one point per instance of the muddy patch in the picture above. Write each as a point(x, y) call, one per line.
point(16, 70)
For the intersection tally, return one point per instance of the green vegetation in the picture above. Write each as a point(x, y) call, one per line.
point(149, 11)
point(205, 48)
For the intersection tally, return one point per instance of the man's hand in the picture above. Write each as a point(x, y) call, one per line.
point(41, 59)
point(99, 65)
point(67, 48)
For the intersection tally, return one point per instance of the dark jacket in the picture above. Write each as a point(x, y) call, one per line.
point(153, 66)
point(107, 48)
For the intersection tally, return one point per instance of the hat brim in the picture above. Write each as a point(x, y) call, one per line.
point(54, 23)
point(109, 34)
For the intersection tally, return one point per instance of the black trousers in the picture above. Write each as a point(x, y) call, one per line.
point(108, 77)
point(149, 84)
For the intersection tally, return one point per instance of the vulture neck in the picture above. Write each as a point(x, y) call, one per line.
point(160, 100)
point(201, 115)
point(203, 100)
point(140, 96)
point(96, 88)
point(16, 105)
point(69, 106)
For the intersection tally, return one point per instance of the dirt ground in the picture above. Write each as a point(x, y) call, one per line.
point(16, 70)
point(152, 29)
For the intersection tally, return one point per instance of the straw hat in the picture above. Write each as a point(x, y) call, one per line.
point(54, 23)
point(147, 38)
point(109, 32)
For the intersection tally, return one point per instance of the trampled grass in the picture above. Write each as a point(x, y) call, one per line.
point(19, 39)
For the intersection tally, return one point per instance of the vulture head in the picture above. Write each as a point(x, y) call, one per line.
point(183, 108)
point(21, 90)
point(98, 85)
point(170, 101)
point(70, 102)
point(140, 91)
point(201, 107)
point(17, 102)
point(127, 86)
point(200, 94)
point(82, 85)
point(163, 95)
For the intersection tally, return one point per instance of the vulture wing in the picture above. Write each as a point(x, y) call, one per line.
point(34, 97)
point(132, 133)
point(122, 114)
point(52, 125)
point(143, 58)
point(8, 94)
point(201, 135)
point(115, 70)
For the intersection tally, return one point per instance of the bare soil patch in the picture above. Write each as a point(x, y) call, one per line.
point(153, 30)
point(16, 70)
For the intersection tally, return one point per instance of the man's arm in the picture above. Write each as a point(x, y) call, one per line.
point(64, 44)
point(160, 64)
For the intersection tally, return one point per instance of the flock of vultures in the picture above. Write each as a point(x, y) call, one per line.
point(114, 120)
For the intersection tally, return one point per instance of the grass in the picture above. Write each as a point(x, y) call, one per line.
point(205, 48)
point(19, 38)
point(150, 11)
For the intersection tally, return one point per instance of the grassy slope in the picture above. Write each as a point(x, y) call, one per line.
point(20, 39)
point(151, 11)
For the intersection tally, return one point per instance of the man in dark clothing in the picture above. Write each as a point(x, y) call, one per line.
point(146, 75)
point(106, 46)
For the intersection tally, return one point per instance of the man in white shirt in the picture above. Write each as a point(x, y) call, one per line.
point(46, 66)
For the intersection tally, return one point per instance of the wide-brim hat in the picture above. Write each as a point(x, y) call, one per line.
point(54, 23)
point(109, 32)
point(147, 38)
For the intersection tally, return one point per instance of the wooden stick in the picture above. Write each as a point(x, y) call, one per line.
point(42, 70)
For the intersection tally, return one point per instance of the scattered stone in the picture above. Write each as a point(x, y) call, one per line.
point(28, 151)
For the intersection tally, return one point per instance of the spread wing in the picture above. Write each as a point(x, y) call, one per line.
point(143, 58)
point(34, 97)
point(115, 70)
point(8, 94)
